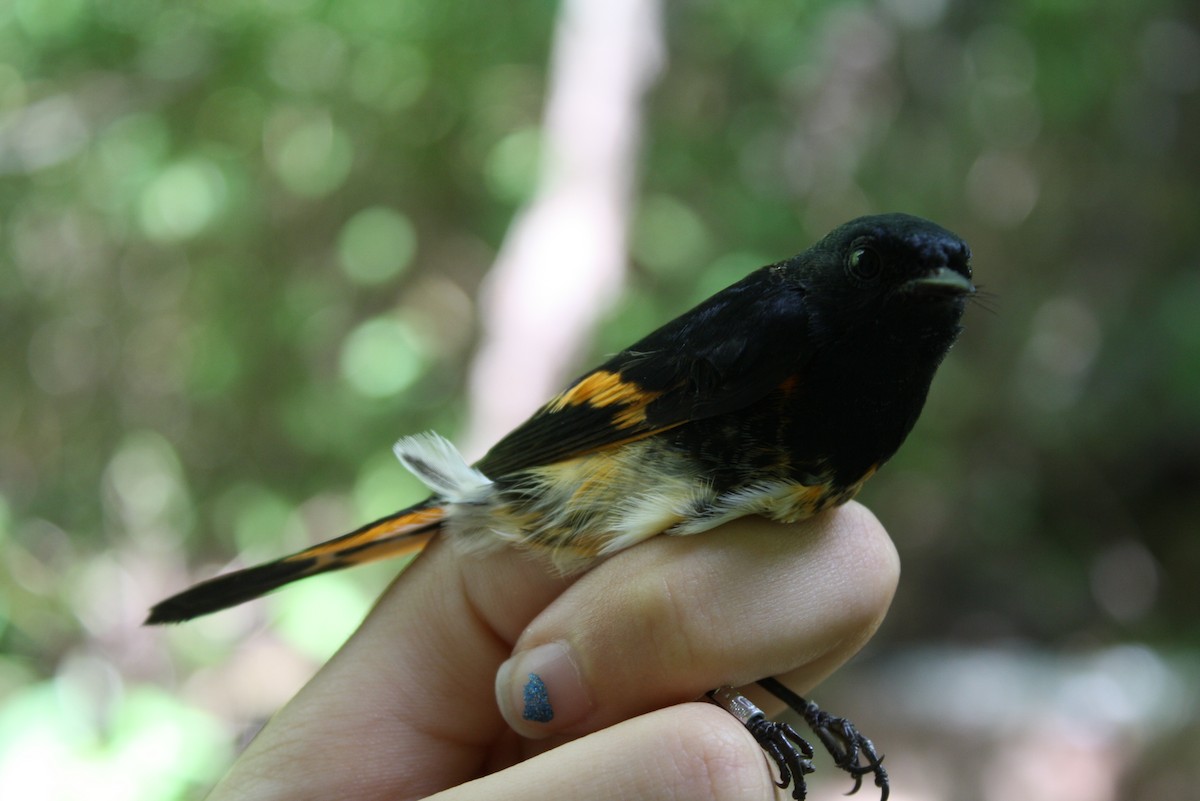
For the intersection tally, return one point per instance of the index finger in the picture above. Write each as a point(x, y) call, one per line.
point(406, 706)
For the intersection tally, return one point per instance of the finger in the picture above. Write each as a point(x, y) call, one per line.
point(675, 616)
point(676, 754)
point(406, 707)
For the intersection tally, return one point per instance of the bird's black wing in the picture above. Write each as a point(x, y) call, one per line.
point(731, 350)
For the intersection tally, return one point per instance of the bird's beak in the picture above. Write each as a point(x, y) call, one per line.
point(943, 281)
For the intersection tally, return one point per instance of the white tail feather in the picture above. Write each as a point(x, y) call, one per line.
point(433, 459)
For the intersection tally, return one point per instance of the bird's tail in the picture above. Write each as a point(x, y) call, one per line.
point(405, 532)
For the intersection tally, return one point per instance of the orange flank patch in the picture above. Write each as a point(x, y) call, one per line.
point(597, 471)
point(604, 388)
point(568, 553)
point(799, 502)
point(808, 497)
point(803, 501)
point(790, 384)
point(852, 490)
point(389, 528)
point(870, 472)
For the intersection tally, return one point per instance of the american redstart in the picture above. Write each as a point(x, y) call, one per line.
point(779, 396)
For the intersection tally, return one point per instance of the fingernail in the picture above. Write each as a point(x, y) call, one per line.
point(540, 691)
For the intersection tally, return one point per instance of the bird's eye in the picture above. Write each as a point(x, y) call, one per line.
point(864, 263)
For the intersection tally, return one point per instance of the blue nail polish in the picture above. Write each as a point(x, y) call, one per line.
point(537, 701)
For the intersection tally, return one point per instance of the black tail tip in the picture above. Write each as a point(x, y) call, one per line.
point(165, 612)
point(229, 590)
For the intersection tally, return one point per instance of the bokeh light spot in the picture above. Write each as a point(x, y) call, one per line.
point(1170, 52)
point(1002, 55)
point(44, 133)
point(183, 200)
point(389, 76)
point(668, 237)
point(512, 164)
point(147, 491)
point(376, 245)
point(216, 361)
point(313, 158)
point(1124, 579)
point(71, 354)
point(132, 144)
point(318, 616)
point(1064, 341)
point(178, 48)
point(382, 357)
point(383, 486)
point(47, 19)
point(257, 516)
point(307, 57)
point(916, 13)
point(1002, 188)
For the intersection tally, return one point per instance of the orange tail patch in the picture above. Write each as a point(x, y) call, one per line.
point(405, 532)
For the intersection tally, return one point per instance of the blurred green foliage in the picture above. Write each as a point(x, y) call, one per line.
point(239, 243)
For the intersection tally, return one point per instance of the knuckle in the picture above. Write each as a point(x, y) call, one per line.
point(678, 612)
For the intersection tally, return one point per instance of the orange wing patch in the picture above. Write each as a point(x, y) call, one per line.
point(633, 415)
point(605, 388)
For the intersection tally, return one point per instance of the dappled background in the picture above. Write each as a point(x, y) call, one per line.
point(245, 245)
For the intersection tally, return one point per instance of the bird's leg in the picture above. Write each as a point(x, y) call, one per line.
point(851, 751)
point(791, 752)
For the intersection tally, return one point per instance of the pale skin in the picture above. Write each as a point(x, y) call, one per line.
point(408, 708)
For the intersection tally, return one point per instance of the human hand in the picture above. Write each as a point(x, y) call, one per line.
point(408, 707)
